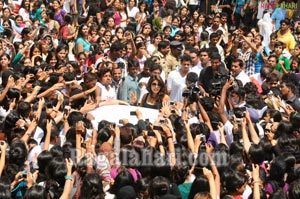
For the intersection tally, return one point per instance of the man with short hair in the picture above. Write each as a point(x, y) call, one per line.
point(172, 60)
point(163, 51)
point(129, 86)
point(176, 79)
point(285, 36)
point(215, 26)
point(196, 63)
point(287, 89)
point(238, 72)
point(211, 74)
point(204, 57)
point(115, 56)
point(116, 79)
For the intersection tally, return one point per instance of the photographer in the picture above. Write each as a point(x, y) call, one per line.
point(208, 75)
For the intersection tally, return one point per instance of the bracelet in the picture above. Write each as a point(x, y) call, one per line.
point(68, 177)
point(160, 143)
point(170, 137)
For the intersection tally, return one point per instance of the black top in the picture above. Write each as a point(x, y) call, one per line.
point(157, 105)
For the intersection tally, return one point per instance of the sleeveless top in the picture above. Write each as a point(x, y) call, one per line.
point(157, 105)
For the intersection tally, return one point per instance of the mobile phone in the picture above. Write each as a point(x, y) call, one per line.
point(172, 103)
point(66, 111)
point(158, 128)
point(151, 133)
point(24, 175)
point(32, 170)
point(132, 113)
point(161, 121)
point(120, 121)
point(67, 154)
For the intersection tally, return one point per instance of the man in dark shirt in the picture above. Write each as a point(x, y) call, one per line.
point(287, 89)
point(212, 74)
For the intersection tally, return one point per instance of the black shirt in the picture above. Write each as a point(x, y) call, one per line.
point(207, 77)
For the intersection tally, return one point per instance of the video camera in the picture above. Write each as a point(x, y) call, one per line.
point(218, 82)
point(191, 93)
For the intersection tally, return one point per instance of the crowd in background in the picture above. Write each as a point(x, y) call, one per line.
point(223, 75)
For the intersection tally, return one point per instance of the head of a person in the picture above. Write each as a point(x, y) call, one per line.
point(215, 61)
point(273, 60)
point(61, 52)
point(195, 55)
point(36, 192)
point(92, 186)
point(159, 186)
point(204, 56)
point(216, 22)
point(285, 24)
point(185, 62)
point(265, 71)
point(179, 36)
point(90, 79)
point(83, 31)
point(155, 69)
point(237, 67)
point(156, 86)
point(117, 74)
point(164, 47)
point(176, 48)
point(146, 29)
point(116, 49)
point(190, 40)
point(105, 76)
point(234, 182)
point(214, 38)
point(5, 60)
point(287, 88)
point(279, 47)
point(133, 67)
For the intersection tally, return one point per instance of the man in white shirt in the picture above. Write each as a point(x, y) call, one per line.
point(196, 63)
point(176, 79)
point(215, 26)
point(238, 72)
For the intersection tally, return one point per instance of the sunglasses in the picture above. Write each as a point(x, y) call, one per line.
point(155, 85)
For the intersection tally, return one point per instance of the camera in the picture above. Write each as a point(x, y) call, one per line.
point(217, 83)
point(191, 93)
point(239, 112)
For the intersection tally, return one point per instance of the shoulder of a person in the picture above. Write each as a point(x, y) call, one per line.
point(172, 73)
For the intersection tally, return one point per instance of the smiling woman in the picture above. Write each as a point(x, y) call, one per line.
point(157, 93)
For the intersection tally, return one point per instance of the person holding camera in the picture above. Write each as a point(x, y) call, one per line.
point(211, 74)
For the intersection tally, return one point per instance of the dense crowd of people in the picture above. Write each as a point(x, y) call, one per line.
point(223, 75)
